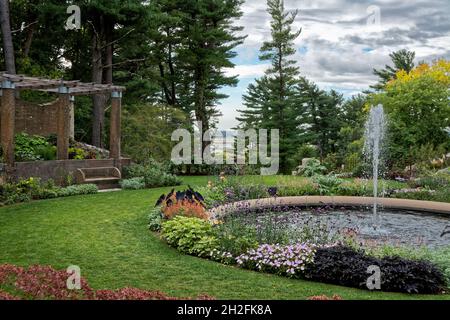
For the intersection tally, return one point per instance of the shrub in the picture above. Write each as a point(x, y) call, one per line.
point(356, 187)
point(301, 188)
point(435, 181)
point(415, 194)
point(188, 203)
point(77, 153)
point(155, 219)
point(133, 183)
point(46, 152)
point(312, 168)
point(290, 260)
point(78, 189)
point(27, 146)
point(348, 267)
point(190, 235)
point(154, 174)
point(440, 257)
point(185, 208)
point(327, 184)
point(154, 178)
point(22, 191)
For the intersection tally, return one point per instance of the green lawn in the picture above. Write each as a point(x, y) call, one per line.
point(106, 235)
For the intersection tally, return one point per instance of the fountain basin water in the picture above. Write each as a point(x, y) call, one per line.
point(410, 222)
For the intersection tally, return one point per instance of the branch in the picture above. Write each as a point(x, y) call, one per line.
point(123, 62)
point(23, 27)
point(117, 40)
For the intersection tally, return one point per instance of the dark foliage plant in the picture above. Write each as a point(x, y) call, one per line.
point(346, 266)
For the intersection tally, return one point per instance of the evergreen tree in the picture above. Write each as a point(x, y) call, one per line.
point(277, 107)
point(322, 115)
point(209, 37)
point(402, 60)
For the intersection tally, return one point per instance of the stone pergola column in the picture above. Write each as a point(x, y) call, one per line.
point(8, 115)
point(63, 124)
point(114, 130)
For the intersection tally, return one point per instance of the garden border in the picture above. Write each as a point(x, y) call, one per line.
point(392, 203)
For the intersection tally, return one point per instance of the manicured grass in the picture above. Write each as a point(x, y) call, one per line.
point(106, 235)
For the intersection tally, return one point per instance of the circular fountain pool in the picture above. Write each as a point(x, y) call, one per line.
point(396, 227)
point(400, 222)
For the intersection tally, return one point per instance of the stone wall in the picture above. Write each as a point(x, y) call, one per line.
point(60, 170)
point(39, 119)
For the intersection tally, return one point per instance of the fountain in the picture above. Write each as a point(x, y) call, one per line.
point(374, 135)
point(404, 222)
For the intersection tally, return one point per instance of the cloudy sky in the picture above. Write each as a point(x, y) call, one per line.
point(342, 41)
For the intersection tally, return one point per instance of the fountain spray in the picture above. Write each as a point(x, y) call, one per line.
point(373, 142)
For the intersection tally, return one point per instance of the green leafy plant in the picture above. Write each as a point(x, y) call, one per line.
point(133, 183)
point(77, 153)
point(78, 189)
point(155, 219)
point(327, 184)
point(190, 235)
point(154, 174)
point(27, 147)
point(312, 168)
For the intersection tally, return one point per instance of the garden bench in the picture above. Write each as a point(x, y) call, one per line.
point(103, 177)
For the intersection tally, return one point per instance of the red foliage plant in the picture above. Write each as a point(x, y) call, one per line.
point(44, 282)
point(185, 208)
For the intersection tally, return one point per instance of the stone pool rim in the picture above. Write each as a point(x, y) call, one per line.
point(340, 201)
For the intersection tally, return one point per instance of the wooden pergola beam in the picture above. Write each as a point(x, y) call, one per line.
point(85, 90)
point(49, 85)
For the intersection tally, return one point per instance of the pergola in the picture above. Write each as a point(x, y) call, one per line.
point(66, 91)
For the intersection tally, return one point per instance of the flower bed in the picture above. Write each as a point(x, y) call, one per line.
point(309, 254)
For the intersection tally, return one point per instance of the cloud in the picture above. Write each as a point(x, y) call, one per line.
point(247, 71)
point(341, 48)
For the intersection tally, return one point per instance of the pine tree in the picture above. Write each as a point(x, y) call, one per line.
point(209, 36)
point(402, 60)
point(322, 115)
point(271, 102)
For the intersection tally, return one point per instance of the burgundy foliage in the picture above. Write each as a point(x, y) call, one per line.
point(44, 282)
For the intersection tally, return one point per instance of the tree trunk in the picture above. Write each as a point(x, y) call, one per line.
point(200, 102)
point(8, 47)
point(29, 40)
point(98, 112)
point(172, 74)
